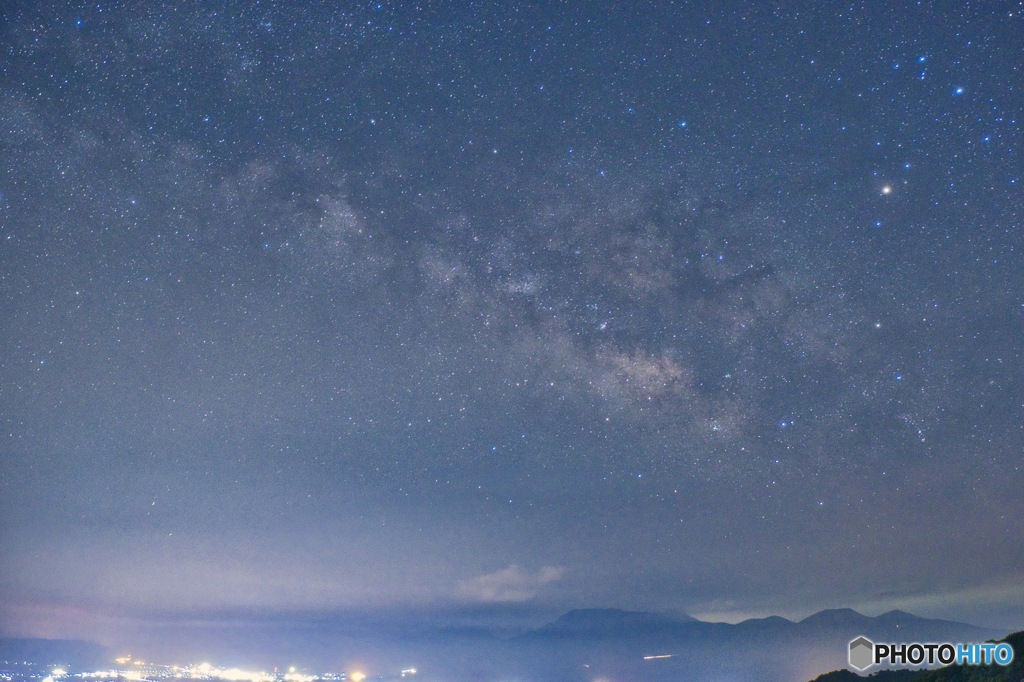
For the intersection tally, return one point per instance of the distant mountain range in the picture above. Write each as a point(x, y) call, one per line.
point(587, 644)
point(605, 623)
point(652, 646)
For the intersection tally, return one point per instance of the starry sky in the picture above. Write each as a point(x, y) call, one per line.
point(509, 308)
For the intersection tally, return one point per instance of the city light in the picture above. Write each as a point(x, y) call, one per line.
point(132, 670)
point(292, 676)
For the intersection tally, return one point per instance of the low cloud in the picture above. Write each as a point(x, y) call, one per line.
point(511, 584)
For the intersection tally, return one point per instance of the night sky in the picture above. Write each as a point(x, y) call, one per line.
point(509, 308)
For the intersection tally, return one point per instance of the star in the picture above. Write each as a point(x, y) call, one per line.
point(326, 260)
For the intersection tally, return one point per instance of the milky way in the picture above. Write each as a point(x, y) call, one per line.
point(706, 308)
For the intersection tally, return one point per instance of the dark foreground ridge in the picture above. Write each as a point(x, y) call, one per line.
point(954, 673)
